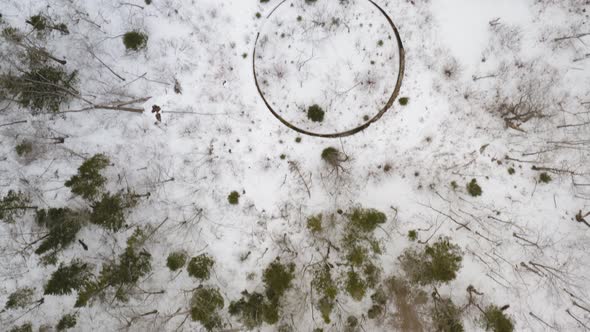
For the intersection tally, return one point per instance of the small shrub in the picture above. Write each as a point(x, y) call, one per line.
point(89, 182)
point(380, 43)
point(355, 286)
point(387, 168)
point(135, 40)
point(332, 156)
point(366, 220)
point(68, 278)
point(200, 267)
point(176, 260)
point(315, 113)
point(205, 305)
point(297, 139)
point(438, 262)
point(446, 316)
point(13, 206)
point(277, 278)
point(38, 22)
point(21, 298)
point(454, 185)
point(233, 198)
point(109, 212)
point(26, 327)
point(511, 171)
point(494, 319)
point(412, 235)
point(544, 177)
point(24, 148)
point(314, 224)
point(63, 224)
point(473, 188)
point(66, 322)
point(404, 101)
point(148, 2)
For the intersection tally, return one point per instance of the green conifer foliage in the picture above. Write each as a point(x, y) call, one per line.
point(21, 298)
point(26, 327)
point(109, 211)
point(13, 206)
point(63, 225)
point(253, 309)
point(123, 274)
point(494, 319)
point(277, 278)
point(66, 322)
point(176, 260)
point(446, 316)
point(43, 88)
point(68, 278)
point(88, 183)
point(135, 40)
point(438, 262)
point(326, 287)
point(200, 267)
point(205, 305)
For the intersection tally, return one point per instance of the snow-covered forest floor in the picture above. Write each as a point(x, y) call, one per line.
point(471, 194)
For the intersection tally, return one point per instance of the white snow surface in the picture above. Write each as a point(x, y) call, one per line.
point(217, 136)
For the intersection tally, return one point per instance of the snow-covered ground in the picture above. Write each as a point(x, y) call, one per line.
point(468, 63)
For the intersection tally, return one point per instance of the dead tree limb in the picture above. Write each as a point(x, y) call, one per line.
point(12, 123)
point(577, 320)
point(116, 106)
point(540, 320)
point(105, 65)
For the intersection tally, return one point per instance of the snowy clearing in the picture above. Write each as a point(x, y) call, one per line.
point(145, 186)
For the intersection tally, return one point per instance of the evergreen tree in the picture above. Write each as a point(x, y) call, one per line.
point(205, 305)
point(26, 327)
point(43, 88)
point(446, 316)
point(135, 40)
point(68, 278)
point(88, 183)
point(200, 267)
point(13, 206)
point(21, 298)
point(109, 211)
point(122, 275)
point(277, 278)
point(253, 309)
point(494, 319)
point(63, 225)
point(438, 262)
point(326, 287)
point(66, 322)
point(176, 260)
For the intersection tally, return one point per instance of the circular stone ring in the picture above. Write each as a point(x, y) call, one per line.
point(367, 123)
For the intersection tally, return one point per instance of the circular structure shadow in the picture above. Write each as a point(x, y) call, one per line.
point(394, 93)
